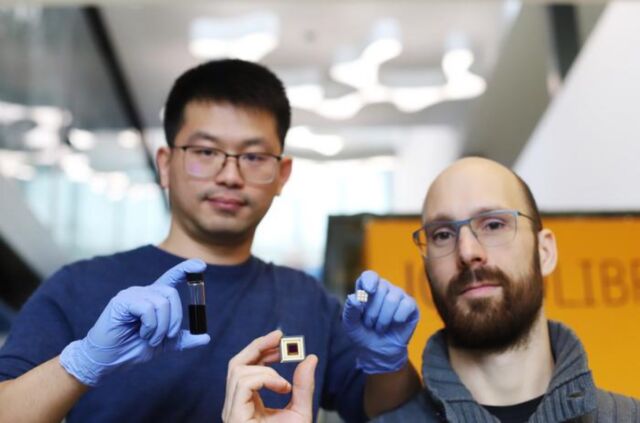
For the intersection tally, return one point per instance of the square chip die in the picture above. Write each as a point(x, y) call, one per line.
point(291, 348)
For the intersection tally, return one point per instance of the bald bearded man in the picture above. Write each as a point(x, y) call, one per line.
point(498, 357)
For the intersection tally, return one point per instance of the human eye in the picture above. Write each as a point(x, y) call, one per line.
point(441, 235)
point(493, 224)
point(204, 152)
point(254, 158)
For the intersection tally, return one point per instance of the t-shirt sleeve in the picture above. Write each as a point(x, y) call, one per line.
point(344, 383)
point(39, 332)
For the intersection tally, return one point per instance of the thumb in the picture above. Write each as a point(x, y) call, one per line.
point(185, 340)
point(303, 387)
point(178, 273)
point(352, 313)
point(368, 281)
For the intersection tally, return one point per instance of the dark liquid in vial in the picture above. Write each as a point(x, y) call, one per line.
point(197, 319)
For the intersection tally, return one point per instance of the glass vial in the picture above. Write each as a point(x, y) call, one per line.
point(197, 312)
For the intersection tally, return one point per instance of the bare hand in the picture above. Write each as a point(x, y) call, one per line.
point(247, 374)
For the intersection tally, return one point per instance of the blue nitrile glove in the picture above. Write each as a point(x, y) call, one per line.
point(138, 323)
point(381, 327)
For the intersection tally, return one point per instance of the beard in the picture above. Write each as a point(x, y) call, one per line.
point(491, 324)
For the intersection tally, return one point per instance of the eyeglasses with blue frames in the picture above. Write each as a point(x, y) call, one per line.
point(491, 229)
point(206, 162)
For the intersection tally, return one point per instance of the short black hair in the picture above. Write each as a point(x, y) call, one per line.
point(237, 82)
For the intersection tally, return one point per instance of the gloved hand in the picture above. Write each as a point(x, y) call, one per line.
point(381, 327)
point(137, 324)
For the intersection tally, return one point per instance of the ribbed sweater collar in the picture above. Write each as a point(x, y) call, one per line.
point(571, 392)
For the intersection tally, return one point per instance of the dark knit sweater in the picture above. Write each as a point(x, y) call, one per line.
point(570, 397)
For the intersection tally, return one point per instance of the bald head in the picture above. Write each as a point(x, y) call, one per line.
point(473, 185)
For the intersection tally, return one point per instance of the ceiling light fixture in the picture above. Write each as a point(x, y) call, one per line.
point(383, 46)
point(411, 100)
point(305, 96)
point(40, 138)
point(13, 164)
point(50, 120)
point(129, 139)
point(385, 42)
point(11, 112)
point(76, 167)
point(362, 74)
point(356, 73)
point(341, 108)
point(461, 83)
point(249, 37)
point(82, 139)
point(302, 137)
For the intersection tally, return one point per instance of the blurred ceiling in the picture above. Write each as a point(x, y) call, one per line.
point(153, 43)
point(509, 42)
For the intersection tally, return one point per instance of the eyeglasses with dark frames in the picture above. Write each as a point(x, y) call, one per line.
point(206, 162)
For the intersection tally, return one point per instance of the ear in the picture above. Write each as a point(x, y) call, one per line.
point(163, 161)
point(548, 251)
point(286, 165)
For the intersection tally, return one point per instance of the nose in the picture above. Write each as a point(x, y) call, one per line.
point(229, 174)
point(469, 250)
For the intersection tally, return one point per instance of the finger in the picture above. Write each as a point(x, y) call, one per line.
point(388, 309)
point(238, 373)
point(242, 403)
point(257, 403)
point(175, 304)
point(238, 412)
point(252, 353)
point(265, 377)
point(353, 309)
point(185, 340)
point(237, 407)
point(163, 315)
point(145, 311)
point(406, 308)
point(368, 281)
point(373, 306)
point(271, 356)
point(303, 386)
point(178, 273)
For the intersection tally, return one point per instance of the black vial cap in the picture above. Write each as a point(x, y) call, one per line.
point(195, 277)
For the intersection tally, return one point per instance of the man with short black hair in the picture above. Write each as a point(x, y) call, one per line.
point(98, 323)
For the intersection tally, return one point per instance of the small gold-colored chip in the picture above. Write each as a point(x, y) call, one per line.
point(292, 348)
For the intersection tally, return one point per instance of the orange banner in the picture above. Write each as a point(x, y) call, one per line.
point(595, 289)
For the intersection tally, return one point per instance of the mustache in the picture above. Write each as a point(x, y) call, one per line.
point(468, 276)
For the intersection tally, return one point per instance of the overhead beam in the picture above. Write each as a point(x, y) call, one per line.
point(504, 117)
point(564, 37)
point(116, 72)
